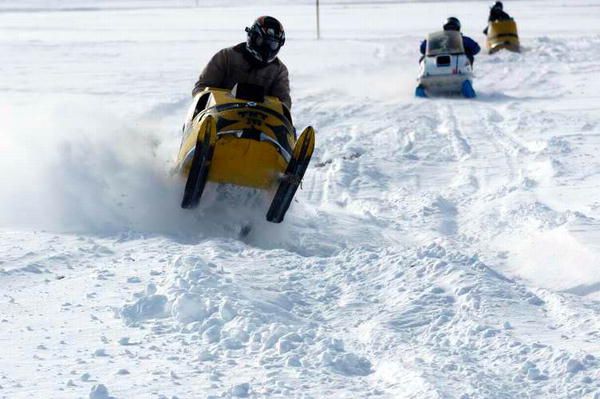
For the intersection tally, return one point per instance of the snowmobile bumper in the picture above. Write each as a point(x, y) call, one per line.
point(444, 84)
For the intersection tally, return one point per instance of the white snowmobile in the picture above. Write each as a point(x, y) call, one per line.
point(445, 68)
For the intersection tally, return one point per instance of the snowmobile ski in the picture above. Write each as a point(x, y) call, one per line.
point(420, 92)
point(203, 152)
point(293, 176)
point(467, 89)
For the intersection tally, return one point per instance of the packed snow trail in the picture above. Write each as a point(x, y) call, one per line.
point(440, 248)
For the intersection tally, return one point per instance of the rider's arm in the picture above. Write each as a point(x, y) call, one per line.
point(423, 46)
point(471, 45)
point(281, 87)
point(213, 74)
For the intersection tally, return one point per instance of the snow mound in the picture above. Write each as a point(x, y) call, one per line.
point(224, 314)
point(99, 392)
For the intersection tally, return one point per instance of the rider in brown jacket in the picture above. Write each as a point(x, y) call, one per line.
point(253, 62)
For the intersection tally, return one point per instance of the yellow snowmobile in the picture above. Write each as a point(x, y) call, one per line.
point(502, 35)
point(244, 138)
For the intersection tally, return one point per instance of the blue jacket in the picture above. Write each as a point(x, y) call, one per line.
point(470, 45)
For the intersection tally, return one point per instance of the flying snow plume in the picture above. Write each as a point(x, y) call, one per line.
point(74, 168)
point(77, 168)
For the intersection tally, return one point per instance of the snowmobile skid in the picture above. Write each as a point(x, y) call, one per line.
point(293, 176)
point(445, 68)
point(244, 138)
point(200, 165)
point(502, 35)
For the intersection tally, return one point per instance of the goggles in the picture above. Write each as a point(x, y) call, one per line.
point(269, 41)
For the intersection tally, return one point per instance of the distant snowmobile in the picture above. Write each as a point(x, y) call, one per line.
point(445, 67)
point(244, 138)
point(502, 34)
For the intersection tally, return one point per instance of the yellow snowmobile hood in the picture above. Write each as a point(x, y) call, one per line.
point(254, 139)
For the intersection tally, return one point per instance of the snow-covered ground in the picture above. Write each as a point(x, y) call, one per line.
point(441, 248)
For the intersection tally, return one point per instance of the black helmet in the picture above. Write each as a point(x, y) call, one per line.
point(498, 5)
point(265, 38)
point(452, 23)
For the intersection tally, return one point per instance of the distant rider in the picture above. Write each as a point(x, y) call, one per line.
point(497, 13)
point(254, 62)
point(470, 45)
